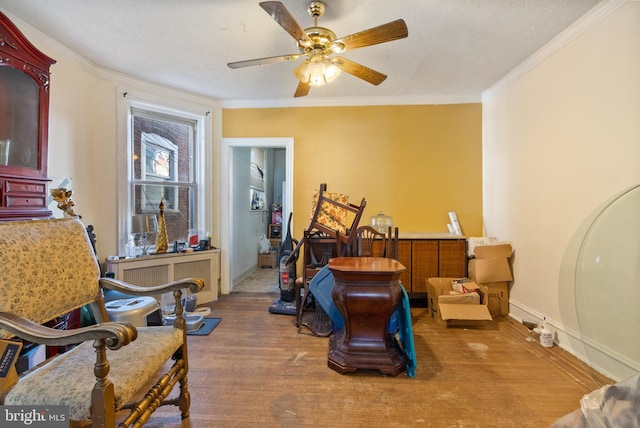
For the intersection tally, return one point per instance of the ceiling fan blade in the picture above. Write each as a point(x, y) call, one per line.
point(260, 61)
point(393, 30)
point(302, 89)
point(359, 71)
point(282, 16)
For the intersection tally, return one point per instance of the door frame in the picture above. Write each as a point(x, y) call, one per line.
point(226, 194)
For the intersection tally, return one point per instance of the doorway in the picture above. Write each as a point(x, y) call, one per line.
point(227, 191)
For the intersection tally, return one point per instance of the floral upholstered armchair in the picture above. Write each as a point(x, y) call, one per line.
point(49, 269)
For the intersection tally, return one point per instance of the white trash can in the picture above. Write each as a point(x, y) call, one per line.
point(134, 310)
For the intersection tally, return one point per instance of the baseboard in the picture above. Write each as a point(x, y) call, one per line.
point(593, 354)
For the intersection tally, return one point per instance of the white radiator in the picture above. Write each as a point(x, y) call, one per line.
point(159, 269)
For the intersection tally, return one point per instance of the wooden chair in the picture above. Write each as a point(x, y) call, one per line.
point(318, 249)
point(369, 242)
point(392, 243)
point(49, 269)
point(329, 226)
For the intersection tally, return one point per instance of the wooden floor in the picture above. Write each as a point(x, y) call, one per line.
point(256, 370)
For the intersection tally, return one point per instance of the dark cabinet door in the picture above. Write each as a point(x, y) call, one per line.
point(424, 264)
point(24, 125)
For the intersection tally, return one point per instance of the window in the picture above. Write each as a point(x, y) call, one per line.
point(157, 163)
point(163, 163)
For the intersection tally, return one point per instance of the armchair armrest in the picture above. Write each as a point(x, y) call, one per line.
point(115, 334)
point(193, 284)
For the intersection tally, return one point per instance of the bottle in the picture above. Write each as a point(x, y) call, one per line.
point(546, 334)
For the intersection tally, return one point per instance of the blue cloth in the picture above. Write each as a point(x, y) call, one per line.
point(321, 286)
point(405, 330)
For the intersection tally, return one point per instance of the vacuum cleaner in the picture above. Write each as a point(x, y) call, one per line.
point(287, 274)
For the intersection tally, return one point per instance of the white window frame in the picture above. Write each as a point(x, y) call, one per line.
point(196, 111)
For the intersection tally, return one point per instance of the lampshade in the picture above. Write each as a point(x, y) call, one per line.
point(317, 71)
point(144, 223)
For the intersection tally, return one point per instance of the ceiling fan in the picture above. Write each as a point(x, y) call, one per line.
point(318, 46)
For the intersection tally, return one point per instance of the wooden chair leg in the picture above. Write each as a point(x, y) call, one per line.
point(103, 397)
point(184, 400)
point(299, 300)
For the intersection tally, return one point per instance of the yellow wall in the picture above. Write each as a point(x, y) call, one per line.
point(415, 163)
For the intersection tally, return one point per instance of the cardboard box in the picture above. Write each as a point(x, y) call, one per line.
point(460, 299)
point(490, 267)
point(9, 353)
point(463, 314)
point(498, 297)
point(491, 264)
point(501, 251)
point(437, 287)
point(489, 270)
point(444, 311)
point(274, 242)
point(268, 260)
point(473, 242)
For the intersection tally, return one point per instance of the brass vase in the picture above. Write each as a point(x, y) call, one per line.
point(161, 241)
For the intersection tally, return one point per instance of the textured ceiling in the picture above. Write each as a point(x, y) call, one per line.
point(455, 48)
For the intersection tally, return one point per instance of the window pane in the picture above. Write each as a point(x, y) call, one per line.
point(156, 136)
point(179, 209)
point(19, 116)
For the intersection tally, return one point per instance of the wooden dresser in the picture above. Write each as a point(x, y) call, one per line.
point(427, 255)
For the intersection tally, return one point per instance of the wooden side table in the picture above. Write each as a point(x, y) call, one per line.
point(366, 293)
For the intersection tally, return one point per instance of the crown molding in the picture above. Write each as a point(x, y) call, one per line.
point(123, 80)
point(587, 21)
point(351, 101)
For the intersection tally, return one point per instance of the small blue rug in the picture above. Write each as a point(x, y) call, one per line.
point(207, 327)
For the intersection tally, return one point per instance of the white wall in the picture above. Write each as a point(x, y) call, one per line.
point(561, 138)
point(247, 225)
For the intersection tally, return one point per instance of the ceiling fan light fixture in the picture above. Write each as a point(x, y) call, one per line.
point(318, 44)
point(337, 47)
point(317, 71)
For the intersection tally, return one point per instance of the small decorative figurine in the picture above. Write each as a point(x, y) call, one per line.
point(63, 197)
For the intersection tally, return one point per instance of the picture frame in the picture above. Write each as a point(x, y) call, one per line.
point(257, 169)
point(257, 201)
